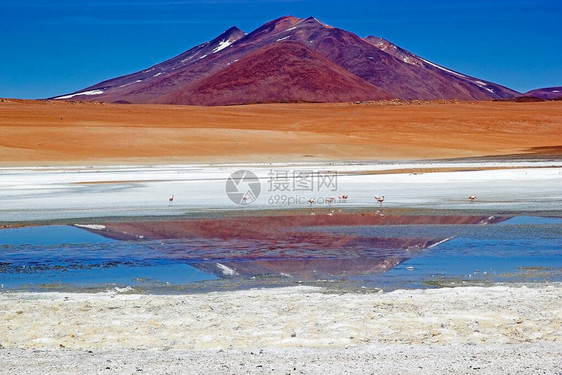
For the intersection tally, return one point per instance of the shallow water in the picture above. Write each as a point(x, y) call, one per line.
point(521, 249)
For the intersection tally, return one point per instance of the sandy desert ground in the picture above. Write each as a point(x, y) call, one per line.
point(55, 132)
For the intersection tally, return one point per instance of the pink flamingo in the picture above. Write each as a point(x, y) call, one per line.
point(170, 200)
point(380, 199)
point(330, 200)
point(311, 201)
point(472, 198)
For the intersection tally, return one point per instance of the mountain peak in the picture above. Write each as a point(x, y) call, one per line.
point(313, 20)
point(233, 31)
point(219, 71)
point(230, 35)
point(285, 21)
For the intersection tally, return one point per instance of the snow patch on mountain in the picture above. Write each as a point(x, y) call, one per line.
point(91, 92)
point(222, 45)
point(444, 69)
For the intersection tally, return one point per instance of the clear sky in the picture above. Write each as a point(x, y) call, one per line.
point(53, 47)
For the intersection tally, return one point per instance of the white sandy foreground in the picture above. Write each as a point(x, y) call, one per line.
point(461, 330)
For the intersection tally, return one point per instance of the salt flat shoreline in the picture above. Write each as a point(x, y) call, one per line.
point(500, 329)
point(58, 193)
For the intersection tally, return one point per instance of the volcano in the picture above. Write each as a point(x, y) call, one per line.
point(291, 59)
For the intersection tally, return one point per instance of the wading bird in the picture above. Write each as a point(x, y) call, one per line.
point(380, 199)
point(472, 198)
point(170, 200)
point(311, 201)
point(330, 200)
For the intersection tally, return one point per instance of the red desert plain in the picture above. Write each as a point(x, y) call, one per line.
point(51, 132)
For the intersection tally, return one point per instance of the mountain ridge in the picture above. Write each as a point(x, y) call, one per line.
point(548, 93)
point(389, 71)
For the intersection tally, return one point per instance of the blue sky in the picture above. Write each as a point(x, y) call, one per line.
point(54, 47)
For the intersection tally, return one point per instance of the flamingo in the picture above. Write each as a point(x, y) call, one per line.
point(472, 198)
point(311, 201)
point(330, 200)
point(171, 200)
point(380, 199)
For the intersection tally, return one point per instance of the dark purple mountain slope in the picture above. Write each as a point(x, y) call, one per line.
point(391, 70)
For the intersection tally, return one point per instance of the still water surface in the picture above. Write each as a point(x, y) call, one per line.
point(67, 258)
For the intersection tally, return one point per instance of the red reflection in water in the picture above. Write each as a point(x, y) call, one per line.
point(285, 245)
